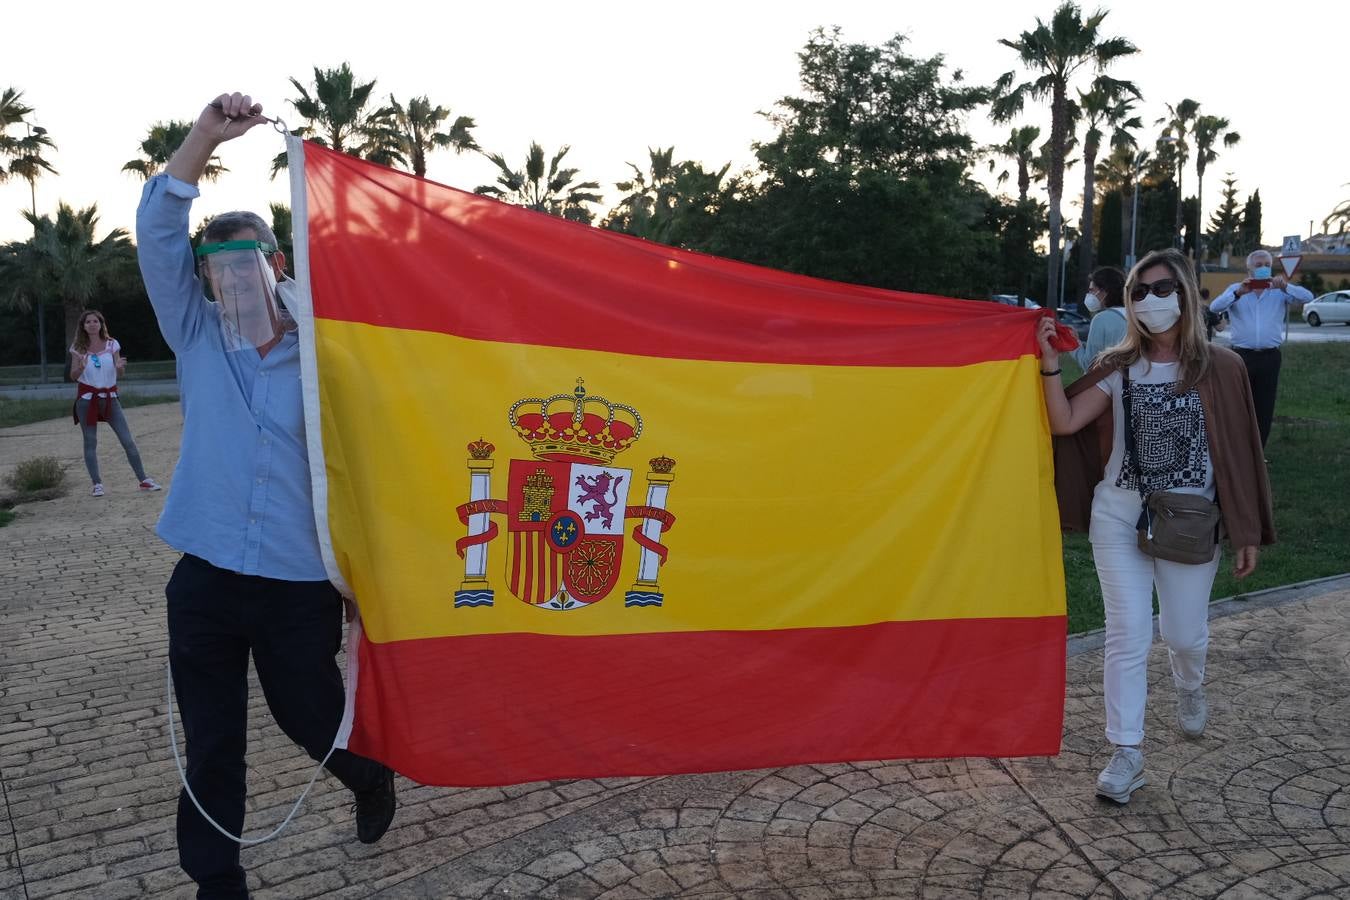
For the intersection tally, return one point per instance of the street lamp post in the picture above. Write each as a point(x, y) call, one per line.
point(41, 311)
point(1134, 210)
point(1139, 158)
point(1063, 270)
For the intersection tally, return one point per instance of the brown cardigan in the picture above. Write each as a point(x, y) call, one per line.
point(1240, 478)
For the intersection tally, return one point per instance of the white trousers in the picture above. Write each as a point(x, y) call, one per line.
point(1128, 578)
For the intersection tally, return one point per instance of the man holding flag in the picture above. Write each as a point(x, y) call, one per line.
point(251, 579)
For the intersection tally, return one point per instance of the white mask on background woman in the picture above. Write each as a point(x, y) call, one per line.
point(1092, 303)
point(1158, 313)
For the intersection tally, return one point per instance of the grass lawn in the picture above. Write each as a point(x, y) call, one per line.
point(22, 412)
point(1309, 452)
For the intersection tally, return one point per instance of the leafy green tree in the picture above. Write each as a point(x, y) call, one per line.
point(866, 179)
point(338, 115)
point(411, 132)
point(870, 107)
point(1190, 208)
point(1208, 132)
point(1020, 148)
point(159, 147)
point(1250, 233)
point(1057, 53)
point(661, 202)
point(1225, 225)
point(547, 188)
point(1115, 177)
point(1105, 108)
point(63, 263)
point(1111, 233)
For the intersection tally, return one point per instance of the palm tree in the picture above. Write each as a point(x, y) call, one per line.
point(1020, 147)
point(63, 263)
point(1208, 131)
point(23, 152)
point(1173, 147)
point(336, 116)
point(410, 133)
point(551, 191)
point(659, 198)
point(1102, 107)
point(26, 161)
point(1058, 51)
point(1340, 214)
point(159, 146)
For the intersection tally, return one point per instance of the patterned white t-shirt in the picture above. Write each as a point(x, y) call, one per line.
point(1172, 444)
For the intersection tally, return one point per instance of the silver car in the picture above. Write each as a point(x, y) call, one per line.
point(1333, 307)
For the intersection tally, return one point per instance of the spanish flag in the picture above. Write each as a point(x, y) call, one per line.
point(614, 508)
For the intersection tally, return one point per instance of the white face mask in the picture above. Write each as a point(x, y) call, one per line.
point(1092, 303)
point(1158, 314)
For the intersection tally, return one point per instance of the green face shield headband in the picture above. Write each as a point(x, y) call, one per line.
point(238, 276)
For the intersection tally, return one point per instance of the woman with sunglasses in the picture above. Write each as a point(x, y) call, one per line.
point(96, 361)
point(1193, 431)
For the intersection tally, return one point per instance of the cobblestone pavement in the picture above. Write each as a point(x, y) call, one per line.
point(1258, 807)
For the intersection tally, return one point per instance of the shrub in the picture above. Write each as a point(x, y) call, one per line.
point(41, 474)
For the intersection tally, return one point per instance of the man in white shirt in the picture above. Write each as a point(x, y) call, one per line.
point(1256, 309)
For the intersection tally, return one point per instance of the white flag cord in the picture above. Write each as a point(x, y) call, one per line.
point(182, 775)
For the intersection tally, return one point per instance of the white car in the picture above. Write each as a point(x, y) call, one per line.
point(1011, 300)
point(1333, 307)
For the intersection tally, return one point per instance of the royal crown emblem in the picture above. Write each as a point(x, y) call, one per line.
point(566, 507)
point(575, 425)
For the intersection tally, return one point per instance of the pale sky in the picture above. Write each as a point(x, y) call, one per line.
point(614, 78)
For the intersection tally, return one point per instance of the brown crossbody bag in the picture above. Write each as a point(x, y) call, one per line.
point(1179, 527)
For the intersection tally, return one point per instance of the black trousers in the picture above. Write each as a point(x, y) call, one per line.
point(293, 630)
point(1263, 371)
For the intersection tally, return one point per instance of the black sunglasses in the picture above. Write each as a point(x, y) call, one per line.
point(1160, 288)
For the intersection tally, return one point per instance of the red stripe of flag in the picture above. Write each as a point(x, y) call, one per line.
point(709, 701)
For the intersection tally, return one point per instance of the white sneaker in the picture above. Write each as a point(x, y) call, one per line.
point(1192, 711)
point(1123, 775)
point(150, 484)
point(97, 491)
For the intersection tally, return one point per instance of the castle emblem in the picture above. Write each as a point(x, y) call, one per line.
point(565, 507)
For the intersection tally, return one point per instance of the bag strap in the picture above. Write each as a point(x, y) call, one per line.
point(1131, 449)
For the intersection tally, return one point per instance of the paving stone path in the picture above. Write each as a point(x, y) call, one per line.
point(1258, 807)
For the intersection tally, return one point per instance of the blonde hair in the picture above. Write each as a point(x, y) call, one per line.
point(82, 336)
point(1192, 344)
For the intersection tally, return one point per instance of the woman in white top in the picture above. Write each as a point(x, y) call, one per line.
point(1170, 366)
point(96, 361)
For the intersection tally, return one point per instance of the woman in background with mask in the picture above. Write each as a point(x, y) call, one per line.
point(1194, 431)
point(1106, 301)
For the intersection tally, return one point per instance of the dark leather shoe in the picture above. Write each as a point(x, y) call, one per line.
point(375, 808)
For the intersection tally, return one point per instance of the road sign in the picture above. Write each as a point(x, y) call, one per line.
point(1291, 254)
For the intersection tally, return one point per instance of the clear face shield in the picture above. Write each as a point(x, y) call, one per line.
point(239, 278)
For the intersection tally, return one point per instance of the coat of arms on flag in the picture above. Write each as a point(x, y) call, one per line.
point(565, 507)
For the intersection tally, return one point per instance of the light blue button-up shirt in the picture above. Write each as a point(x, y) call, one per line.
point(240, 497)
point(1256, 319)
